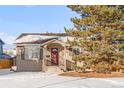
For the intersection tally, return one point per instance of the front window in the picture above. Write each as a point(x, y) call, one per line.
point(33, 53)
point(22, 53)
point(75, 51)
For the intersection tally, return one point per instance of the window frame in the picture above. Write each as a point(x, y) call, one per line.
point(73, 51)
point(29, 53)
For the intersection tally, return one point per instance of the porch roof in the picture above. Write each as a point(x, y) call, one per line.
point(55, 41)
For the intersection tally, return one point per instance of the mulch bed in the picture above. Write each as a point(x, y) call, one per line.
point(93, 75)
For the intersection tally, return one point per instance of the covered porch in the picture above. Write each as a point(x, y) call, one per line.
point(54, 55)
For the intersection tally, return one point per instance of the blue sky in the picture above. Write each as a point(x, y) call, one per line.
point(15, 20)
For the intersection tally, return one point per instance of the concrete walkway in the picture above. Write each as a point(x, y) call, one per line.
point(9, 79)
point(54, 69)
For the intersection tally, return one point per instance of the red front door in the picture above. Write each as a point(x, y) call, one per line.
point(54, 56)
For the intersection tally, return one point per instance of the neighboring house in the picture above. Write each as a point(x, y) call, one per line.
point(3, 55)
point(1, 46)
point(36, 52)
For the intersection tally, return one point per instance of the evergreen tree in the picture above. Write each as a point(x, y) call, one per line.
point(100, 32)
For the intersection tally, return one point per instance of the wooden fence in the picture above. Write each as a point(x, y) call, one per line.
point(4, 63)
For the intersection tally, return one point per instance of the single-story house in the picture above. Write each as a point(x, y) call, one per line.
point(38, 51)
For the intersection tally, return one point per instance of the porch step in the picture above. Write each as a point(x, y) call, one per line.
point(54, 69)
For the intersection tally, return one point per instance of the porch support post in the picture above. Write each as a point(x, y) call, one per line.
point(44, 67)
point(65, 58)
point(18, 58)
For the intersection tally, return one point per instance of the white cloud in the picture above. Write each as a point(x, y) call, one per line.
point(8, 39)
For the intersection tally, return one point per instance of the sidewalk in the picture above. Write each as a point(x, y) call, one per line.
point(10, 79)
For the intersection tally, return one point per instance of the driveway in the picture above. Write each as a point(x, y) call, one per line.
point(11, 79)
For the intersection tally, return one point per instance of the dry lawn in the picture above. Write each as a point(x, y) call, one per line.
point(92, 75)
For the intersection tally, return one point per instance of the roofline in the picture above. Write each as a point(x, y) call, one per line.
point(41, 44)
point(48, 34)
point(2, 42)
point(35, 42)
